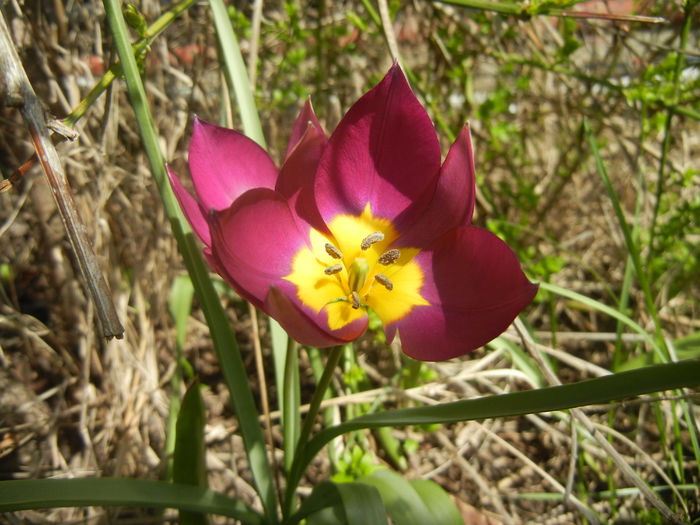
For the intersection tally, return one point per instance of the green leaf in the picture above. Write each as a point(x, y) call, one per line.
point(341, 504)
point(362, 504)
point(189, 464)
point(440, 505)
point(109, 492)
point(401, 500)
point(236, 73)
point(180, 306)
point(592, 391)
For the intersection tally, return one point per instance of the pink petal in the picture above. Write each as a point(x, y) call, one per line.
point(304, 328)
point(225, 164)
point(254, 241)
point(190, 207)
point(475, 288)
point(296, 178)
point(452, 204)
point(307, 117)
point(384, 152)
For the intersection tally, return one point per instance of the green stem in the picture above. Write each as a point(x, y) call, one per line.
point(291, 399)
point(315, 405)
point(140, 47)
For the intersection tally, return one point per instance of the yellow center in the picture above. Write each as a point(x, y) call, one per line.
point(354, 269)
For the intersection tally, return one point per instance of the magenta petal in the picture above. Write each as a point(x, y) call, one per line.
point(225, 164)
point(254, 241)
point(307, 117)
point(296, 178)
point(384, 152)
point(298, 324)
point(475, 288)
point(453, 202)
point(190, 207)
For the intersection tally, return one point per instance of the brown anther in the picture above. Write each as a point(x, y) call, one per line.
point(355, 300)
point(333, 269)
point(372, 238)
point(333, 251)
point(384, 281)
point(389, 257)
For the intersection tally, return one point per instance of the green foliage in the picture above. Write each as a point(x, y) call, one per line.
point(189, 458)
point(353, 464)
point(135, 19)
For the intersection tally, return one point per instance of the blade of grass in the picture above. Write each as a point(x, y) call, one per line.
point(109, 492)
point(643, 278)
point(632, 247)
point(227, 350)
point(236, 73)
point(593, 391)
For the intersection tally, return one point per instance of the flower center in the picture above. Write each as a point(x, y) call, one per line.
point(359, 270)
point(343, 274)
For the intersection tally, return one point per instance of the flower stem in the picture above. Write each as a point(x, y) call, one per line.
point(314, 406)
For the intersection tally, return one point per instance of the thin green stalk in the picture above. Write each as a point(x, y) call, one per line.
point(317, 371)
point(223, 338)
point(632, 246)
point(321, 387)
point(115, 70)
point(236, 72)
point(291, 400)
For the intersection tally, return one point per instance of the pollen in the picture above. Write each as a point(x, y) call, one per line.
point(355, 299)
point(333, 251)
point(371, 239)
point(336, 268)
point(384, 281)
point(389, 257)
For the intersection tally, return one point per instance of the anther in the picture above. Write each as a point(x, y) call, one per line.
point(355, 299)
point(389, 257)
point(371, 239)
point(333, 269)
point(384, 280)
point(333, 251)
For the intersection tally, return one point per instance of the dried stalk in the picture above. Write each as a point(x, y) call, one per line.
point(15, 90)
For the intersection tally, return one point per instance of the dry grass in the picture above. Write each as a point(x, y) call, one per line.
point(72, 404)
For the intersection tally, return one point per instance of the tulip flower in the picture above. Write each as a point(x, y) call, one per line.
point(365, 219)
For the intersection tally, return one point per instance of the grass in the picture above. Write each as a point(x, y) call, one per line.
point(585, 135)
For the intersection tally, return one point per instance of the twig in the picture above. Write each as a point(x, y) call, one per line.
point(388, 29)
point(16, 90)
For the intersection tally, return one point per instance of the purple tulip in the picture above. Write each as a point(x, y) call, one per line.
point(367, 218)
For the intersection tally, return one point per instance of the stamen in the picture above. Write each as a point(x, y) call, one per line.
point(333, 269)
point(333, 251)
point(371, 239)
point(389, 257)
point(355, 299)
point(384, 280)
